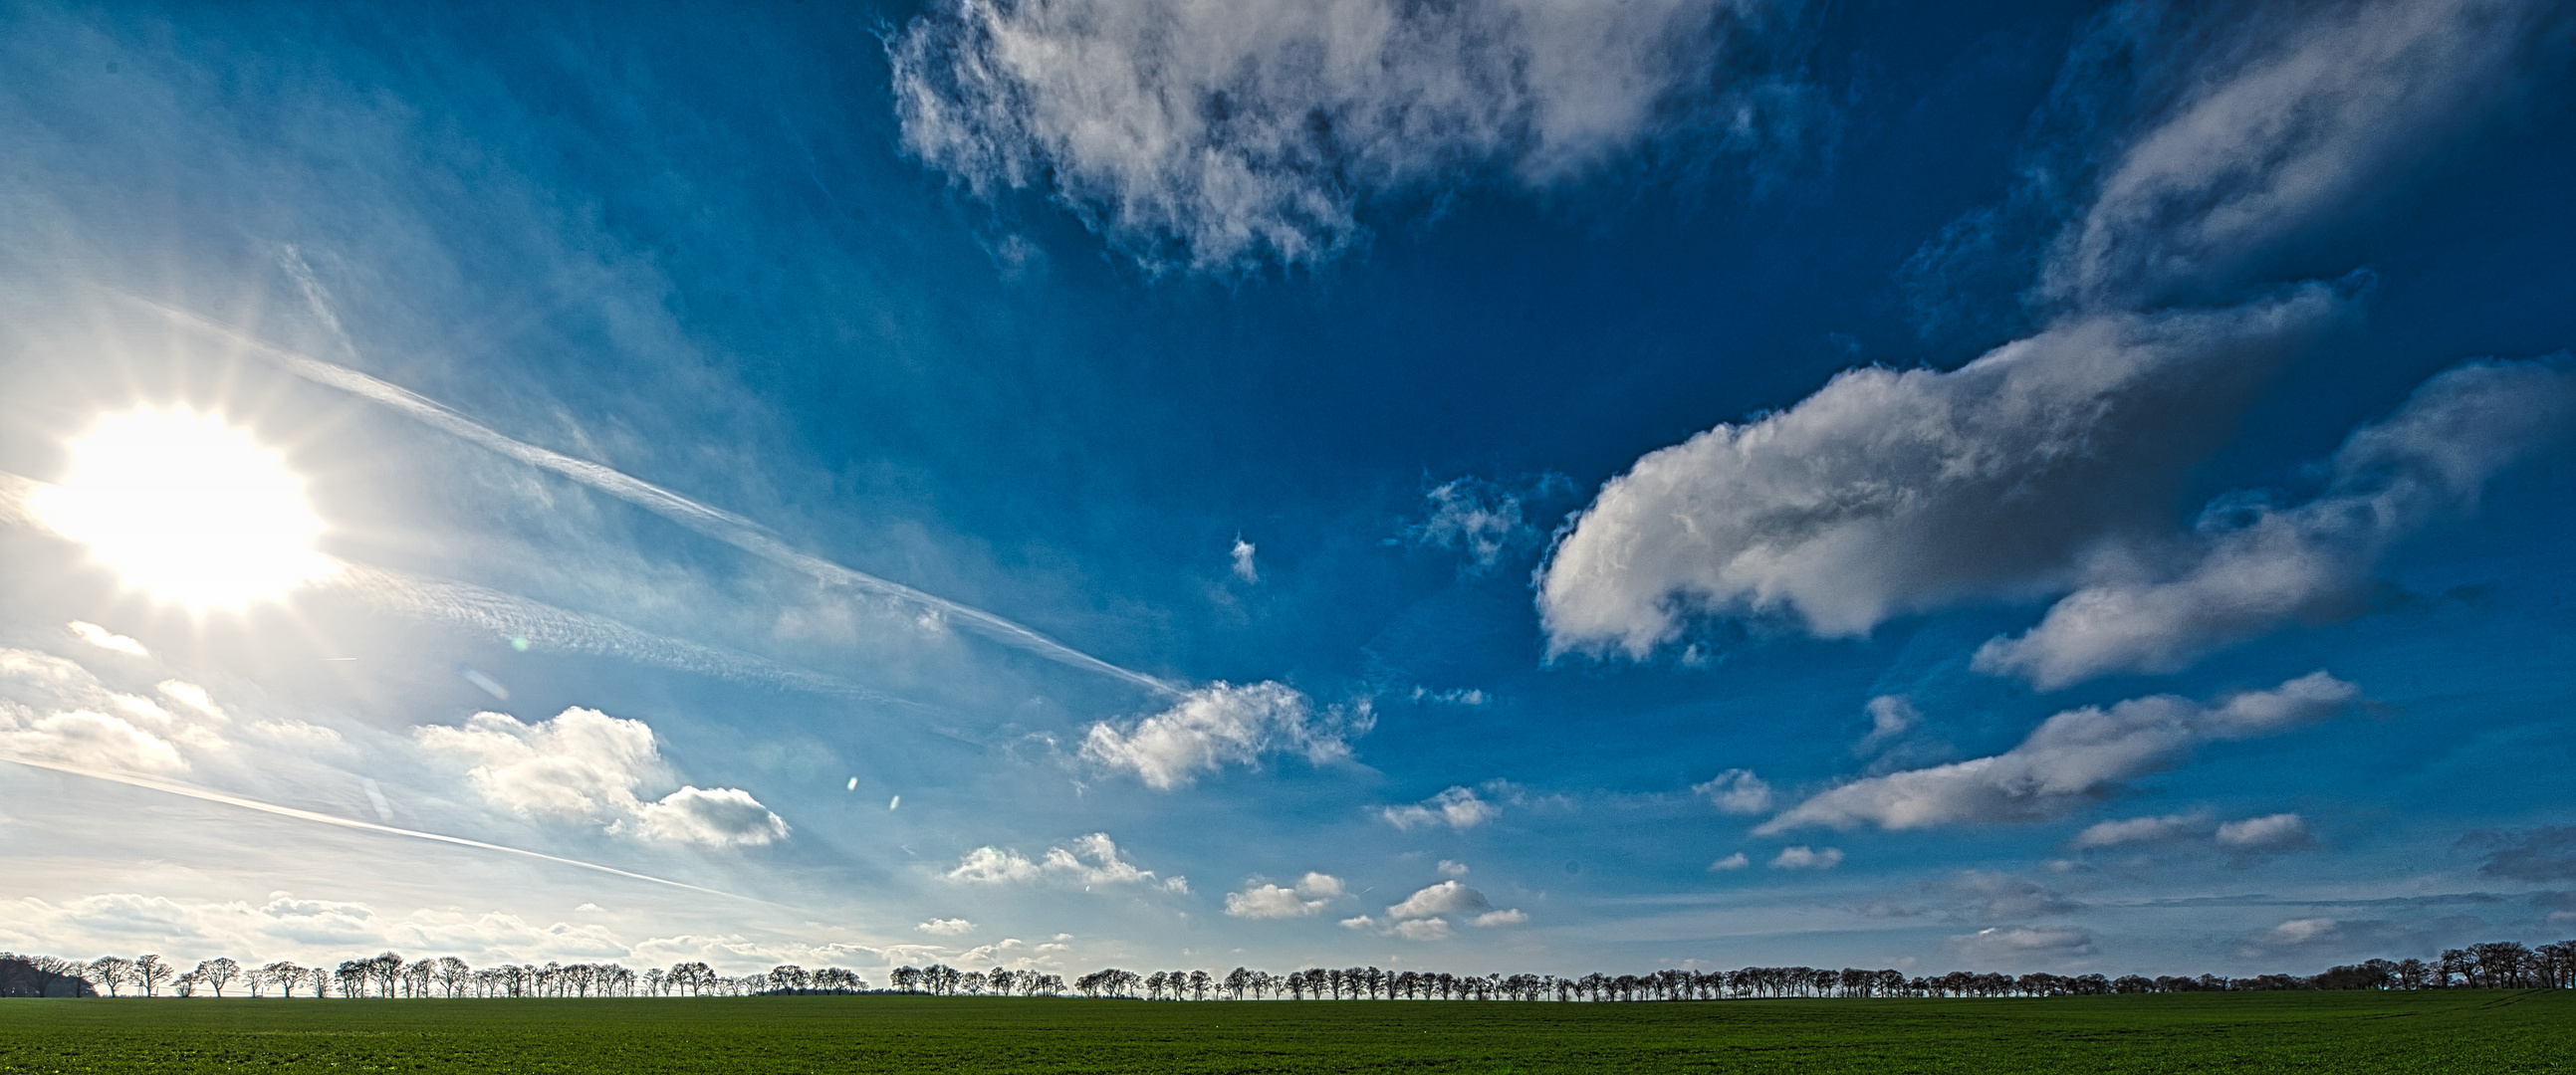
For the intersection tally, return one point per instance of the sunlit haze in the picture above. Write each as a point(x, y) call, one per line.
point(190, 508)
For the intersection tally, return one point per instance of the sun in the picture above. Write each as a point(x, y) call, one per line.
point(189, 508)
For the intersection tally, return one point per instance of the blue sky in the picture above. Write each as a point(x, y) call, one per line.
point(1536, 486)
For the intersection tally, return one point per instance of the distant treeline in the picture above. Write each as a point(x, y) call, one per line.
point(2495, 965)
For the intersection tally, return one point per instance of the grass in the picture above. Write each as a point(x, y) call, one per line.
point(2414, 1033)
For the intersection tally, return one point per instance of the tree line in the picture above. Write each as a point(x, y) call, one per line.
point(2493, 965)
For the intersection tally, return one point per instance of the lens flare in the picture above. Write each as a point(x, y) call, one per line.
point(188, 508)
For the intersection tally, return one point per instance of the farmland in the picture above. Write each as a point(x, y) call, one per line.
point(2418, 1032)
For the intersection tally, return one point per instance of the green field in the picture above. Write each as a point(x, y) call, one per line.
point(2411, 1033)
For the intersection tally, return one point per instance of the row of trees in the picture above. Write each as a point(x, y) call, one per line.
point(2496, 965)
point(389, 976)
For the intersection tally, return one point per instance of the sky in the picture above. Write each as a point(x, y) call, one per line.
point(1541, 486)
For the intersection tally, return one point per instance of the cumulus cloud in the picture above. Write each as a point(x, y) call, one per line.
point(2275, 832)
point(86, 739)
point(2023, 945)
point(289, 926)
point(1270, 901)
point(55, 710)
point(586, 766)
point(107, 640)
point(1220, 724)
point(1092, 860)
point(1803, 857)
point(1243, 566)
point(2291, 118)
point(1220, 134)
point(1458, 808)
point(1447, 897)
point(707, 817)
point(1453, 869)
point(1423, 916)
point(192, 696)
point(1892, 491)
point(1736, 791)
point(2072, 758)
point(1306, 900)
point(947, 927)
point(2253, 566)
point(1421, 929)
point(1736, 861)
point(2042, 468)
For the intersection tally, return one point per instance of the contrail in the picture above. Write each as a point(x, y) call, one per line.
point(711, 521)
point(553, 628)
point(212, 796)
point(511, 616)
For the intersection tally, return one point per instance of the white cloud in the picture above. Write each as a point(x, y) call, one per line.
point(1890, 716)
point(2070, 759)
point(1253, 130)
point(1512, 916)
point(1892, 491)
point(1271, 901)
point(1447, 897)
point(994, 866)
point(2021, 945)
point(1421, 929)
point(107, 640)
point(1802, 857)
point(2253, 566)
point(707, 817)
point(2295, 114)
point(285, 926)
point(1221, 723)
point(2044, 466)
point(2276, 832)
point(86, 739)
point(1453, 869)
point(1737, 791)
point(1481, 519)
point(1736, 861)
point(1307, 899)
point(192, 696)
point(586, 766)
point(947, 927)
point(1322, 885)
point(1092, 860)
point(1458, 808)
point(2141, 830)
point(1243, 568)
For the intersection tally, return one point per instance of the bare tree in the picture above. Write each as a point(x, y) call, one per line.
point(217, 973)
point(113, 972)
point(149, 972)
